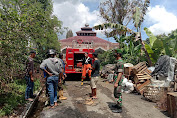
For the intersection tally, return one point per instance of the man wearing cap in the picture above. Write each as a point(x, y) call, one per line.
point(53, 67)
point(29, 76)
point(119, 69)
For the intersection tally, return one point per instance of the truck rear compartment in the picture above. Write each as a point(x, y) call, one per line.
point(78, 59)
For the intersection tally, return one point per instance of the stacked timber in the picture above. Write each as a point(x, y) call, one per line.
point(141, 76)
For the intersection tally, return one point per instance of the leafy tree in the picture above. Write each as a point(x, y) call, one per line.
point(107, 57)
point(25, 25)
point(69, 34)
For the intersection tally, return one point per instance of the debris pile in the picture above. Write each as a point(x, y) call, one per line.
point(153, 83)
point(106, 70)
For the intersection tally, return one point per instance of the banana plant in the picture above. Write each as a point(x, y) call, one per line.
point(122, 30)
point(161, 45)
point(170, 44)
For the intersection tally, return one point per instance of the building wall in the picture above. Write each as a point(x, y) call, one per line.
point(103, 46)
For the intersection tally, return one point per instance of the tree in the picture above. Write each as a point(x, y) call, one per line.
point(25, 25)
point(69, 34)
point(118, 14)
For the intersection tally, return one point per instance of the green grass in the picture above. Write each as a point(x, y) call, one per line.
point(15, 96)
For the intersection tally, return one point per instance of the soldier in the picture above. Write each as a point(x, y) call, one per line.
point(87, 62)
point(29, 76)
point(119, 69)
point(53, 67)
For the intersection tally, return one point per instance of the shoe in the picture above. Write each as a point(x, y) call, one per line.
point(63, 98)
point(82, 83)
point(115, 106)
point(117, 110)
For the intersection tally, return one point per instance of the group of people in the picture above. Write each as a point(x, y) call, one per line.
point(54, 71)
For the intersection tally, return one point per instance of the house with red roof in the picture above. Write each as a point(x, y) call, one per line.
point(86, 38)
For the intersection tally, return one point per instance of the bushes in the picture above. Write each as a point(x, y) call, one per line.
point(14, 95)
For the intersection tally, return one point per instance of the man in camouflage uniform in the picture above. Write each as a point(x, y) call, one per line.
point(119, 69)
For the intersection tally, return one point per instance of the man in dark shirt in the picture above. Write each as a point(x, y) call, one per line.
point(87, 62)
point(29, 76)
point(95, 74)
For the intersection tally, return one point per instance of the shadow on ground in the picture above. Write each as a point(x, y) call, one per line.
point(76, 77)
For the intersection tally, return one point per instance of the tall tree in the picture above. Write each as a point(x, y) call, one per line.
point(69, 34)
point(25, 25)
point(119, 13)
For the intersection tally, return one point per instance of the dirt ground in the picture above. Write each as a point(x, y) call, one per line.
point(75, 107)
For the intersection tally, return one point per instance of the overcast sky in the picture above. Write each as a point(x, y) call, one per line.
point(161, 16)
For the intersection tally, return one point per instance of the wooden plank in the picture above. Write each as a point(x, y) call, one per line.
point(140, 88)
point(136, 80)
point(143, 69)
point(142, 74)
point(144, 84)
point(144, 78)
point(172, 104)
point(175, 86)
point(148, 71)
point(138, 67)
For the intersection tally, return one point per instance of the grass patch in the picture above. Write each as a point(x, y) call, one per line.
point(14, 96)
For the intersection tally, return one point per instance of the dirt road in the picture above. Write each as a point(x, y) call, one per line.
point(75, 107)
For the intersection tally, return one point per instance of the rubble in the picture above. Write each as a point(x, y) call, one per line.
point(106, 70)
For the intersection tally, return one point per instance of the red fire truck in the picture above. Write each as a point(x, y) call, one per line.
point(75, 55)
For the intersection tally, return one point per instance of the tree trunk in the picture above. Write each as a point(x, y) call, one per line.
point(146, 53)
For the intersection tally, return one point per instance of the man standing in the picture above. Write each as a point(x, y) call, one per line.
point(95, 75)
point(62, 77)
point(119, 69)
point(53, 67)
point(87, 62)
point(29, 76)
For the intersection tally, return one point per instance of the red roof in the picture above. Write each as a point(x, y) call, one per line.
point(85, 38)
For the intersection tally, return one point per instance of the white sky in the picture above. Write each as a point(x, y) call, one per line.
point(75, 14)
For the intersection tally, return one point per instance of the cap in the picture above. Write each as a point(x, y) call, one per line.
point(32, 51)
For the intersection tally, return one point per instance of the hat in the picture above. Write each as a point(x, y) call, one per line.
point(32, 51)
point(118, 51)
point(95, 54)
point(51, 52)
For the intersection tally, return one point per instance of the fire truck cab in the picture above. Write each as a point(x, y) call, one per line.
point(75, 56)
